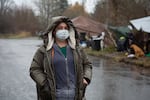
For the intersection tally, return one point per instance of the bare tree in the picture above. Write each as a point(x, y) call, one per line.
point(50, 8)
point(75, 10)
point(120, 11)
point(15, 19)
point(5, 6)
point(25, 19)
point(145, 4)
point(5, 17)
point(44, 7)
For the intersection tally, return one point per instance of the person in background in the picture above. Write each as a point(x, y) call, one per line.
point(102, 40)
point(60, 68)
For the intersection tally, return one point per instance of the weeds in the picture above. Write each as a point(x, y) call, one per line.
point(119, 56)
point(22, 34)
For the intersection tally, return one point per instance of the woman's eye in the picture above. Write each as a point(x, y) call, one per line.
point(66, 28)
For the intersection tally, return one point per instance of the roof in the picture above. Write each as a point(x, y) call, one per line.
point(142, 23)
point(88, 25)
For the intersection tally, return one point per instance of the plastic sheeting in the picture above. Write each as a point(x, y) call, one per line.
point(142, 23)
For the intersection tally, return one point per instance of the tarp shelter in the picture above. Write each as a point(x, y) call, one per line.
point(92, 28)
point(142, 23)
point(120, 31)
point(84, 24)
point(142, 32)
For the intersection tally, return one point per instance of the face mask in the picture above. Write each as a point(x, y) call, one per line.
point(62, 34)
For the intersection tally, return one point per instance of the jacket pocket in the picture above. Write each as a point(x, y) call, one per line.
point(45, 92)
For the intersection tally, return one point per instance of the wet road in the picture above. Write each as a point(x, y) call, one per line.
point(117, 81)
point(111, 81)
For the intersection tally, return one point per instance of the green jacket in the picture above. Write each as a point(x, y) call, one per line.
point(41, 71)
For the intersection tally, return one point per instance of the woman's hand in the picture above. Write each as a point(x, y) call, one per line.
point(85, 82)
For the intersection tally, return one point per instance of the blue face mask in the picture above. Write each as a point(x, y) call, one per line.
point(62, 34)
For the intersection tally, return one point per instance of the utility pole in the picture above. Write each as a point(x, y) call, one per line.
point(107, 22)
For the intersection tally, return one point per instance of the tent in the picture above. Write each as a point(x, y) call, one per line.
point(142, 32)
point(120, 31)
point(84, 24)
point(142, 23)
point(120, 35)
point(92, 28)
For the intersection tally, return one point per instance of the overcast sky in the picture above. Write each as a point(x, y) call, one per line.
point(90, 4)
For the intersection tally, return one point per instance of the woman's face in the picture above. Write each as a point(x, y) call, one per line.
point(62, 26)
point(61, 32)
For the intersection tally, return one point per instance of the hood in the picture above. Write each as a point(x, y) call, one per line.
point(48, 37)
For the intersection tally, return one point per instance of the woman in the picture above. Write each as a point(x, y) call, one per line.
point(60, 69)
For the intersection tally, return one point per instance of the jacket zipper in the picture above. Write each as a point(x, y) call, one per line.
point(67, 69)
point(67, 72)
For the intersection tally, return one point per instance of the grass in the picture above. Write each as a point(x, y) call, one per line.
point(100, 53)
point(111, 52)
point(143, 62)
point(21, 34)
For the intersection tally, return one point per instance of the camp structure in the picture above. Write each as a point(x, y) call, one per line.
point(120, 34)
point(84, 24)
point(120, 31)
point(141, 30)
point(91, 28)
point(141, 24)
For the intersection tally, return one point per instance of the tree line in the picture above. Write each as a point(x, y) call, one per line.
point(15, 18)
point(119, 12)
